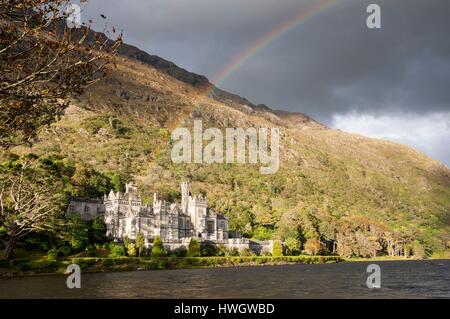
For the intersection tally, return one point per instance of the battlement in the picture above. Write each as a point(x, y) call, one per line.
point(126, 215)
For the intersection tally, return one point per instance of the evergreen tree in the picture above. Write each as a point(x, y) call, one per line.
point(97, 231)
point(277, 249)
point(78, 232)
point(158, 248)
point(194, 248)
point(140, 243)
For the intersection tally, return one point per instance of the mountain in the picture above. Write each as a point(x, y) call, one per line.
point(359, 196)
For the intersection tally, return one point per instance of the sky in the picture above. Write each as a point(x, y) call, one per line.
point(391, 83)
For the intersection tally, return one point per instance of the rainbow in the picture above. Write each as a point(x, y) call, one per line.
point(266, 40)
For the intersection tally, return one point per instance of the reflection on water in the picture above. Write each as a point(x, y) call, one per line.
point(399, 279)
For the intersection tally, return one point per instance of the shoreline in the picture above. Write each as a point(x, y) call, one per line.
point(103, 265)
point(106, 265)
point(386, 258)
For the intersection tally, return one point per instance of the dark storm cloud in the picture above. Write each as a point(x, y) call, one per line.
point(330, 65)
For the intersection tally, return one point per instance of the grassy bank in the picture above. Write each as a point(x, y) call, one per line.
point(94, 264)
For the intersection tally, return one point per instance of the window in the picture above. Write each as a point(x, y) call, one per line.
point(87, 210)
point(210, 227)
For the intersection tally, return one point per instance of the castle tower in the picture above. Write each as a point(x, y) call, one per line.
point(131, 189)
point(184, 196)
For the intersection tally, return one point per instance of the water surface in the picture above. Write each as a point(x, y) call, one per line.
point(399, 279)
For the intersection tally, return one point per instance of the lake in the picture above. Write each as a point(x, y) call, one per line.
point(399, 279)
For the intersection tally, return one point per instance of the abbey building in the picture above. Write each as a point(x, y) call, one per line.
point(125, 216)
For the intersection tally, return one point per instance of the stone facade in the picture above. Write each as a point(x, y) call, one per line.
point(87, 208)
point(176, 223)
point(125, 216)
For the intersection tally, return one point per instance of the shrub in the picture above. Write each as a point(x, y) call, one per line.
point(4, 263)
point(277, 250)
point(117, 250)
point(91, 251)
point(194, 248)
point(266, 253)
point(292, 245)
point(65, 251)
point(313, 246)
point(44, 246)
point(157, 248)
point(221, 250)
point(126, 241)
point(232, 252)
point(41, 265)
point(140, 243)
point(262, 233)
point(131, 250)
point(24, 266)
point(179, 252)
point(84, 263)
point(37, 243)
point(245, 252)
point(208, 250)
point(52, 254)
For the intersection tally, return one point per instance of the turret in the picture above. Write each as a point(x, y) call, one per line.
point(184, 196)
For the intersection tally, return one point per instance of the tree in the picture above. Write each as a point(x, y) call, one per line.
point(292, 245)
point(277, 250)
point(43, 64)
point(115, 181)
point(367, 245)
point(126, 241)
point(418, 250)
point(208, 250)
point(78, 232)
point(28, 201)
point(97, 231)
point(194, 248)
point(140, 243)
point(313, 246)
point(117, 250)
point(131, 250)
point(157, 248)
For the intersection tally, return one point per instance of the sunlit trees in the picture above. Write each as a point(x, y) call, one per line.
point(292, 245)
point(313, 246)
point(418, 250)
point(131, 250)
